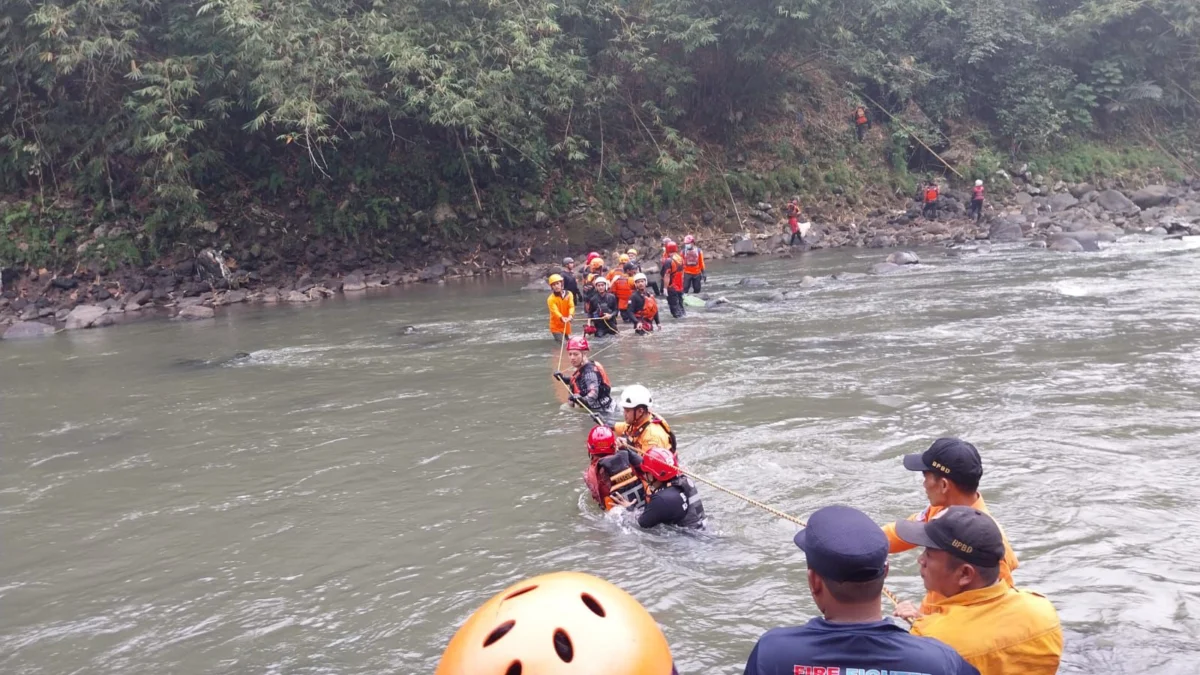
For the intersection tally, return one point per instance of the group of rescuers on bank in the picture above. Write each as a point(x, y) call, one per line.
point(971, 621)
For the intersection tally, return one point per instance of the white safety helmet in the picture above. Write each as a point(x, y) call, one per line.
point(978, 183)
point(600, 281)
point(639, 277)
point(635, 395)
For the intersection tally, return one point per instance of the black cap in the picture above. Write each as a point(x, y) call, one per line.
point(965, 533)
point(844, 544)
point(951, 458)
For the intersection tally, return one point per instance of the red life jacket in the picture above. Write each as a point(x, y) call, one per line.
point(676, 272)
point(622, 288)
point(977, 193)
point(860, 115)
point(931, 194)
point(605, 385)
point(649, 308)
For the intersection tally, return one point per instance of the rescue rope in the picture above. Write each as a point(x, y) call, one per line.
point(769, 509)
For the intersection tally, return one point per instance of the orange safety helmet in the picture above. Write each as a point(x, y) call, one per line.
point(565, 623)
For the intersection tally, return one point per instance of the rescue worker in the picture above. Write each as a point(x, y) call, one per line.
point(589, 383)
point(952, 470)
point(930, 196)
point(559, 624)
point(995, 627)
point(847, 564)
point(976, 201)
point(861, 122)
point(622, 260)
point(793, 215)
point(633, 258)
point(612, 474)
point(562, 306)
point(570, 283)
point(693, 265)
point(603, 309)
point(643, 306)
point(622, 287)
point(673, 500)
point(642, 429)
point(672, 279)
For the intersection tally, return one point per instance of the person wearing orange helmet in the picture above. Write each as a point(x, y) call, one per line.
point(565, 623)
point(622, 287)
point(674, 499)
point(671, 270)
point(589, 383)
point(612, 471)
point(562, 306)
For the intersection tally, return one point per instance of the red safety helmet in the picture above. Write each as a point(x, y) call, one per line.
point(601, 441)
point(672, 247)
point(577, 344)
point(660, 464)
point(592, 256)
point(689, 239)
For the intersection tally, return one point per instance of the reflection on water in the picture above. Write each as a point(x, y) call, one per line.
point(340, 498)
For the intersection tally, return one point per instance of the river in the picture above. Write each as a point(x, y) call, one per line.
point(342, 499)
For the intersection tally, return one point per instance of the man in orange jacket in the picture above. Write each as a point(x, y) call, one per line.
point(995, 627)
point(622, 287)
point(952, 470)
point(562, 306)
point(693, 265)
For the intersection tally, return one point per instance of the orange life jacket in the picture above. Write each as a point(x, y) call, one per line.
point(626, 483)
point(649, 308)
point(860, 115)
point(676, 273)
point(693, 261)
point(623, 289)
point(977, 193)
point(931, 194)
point(654, 419)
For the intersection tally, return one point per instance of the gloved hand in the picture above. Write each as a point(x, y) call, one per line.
point(576, 399)
point(704, 277)
point(560, 377)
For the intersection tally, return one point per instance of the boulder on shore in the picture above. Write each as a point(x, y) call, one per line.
point(744, 247)
point(1005, 230)
point(195, 313)
point(84, 316)
point(1115, 202)
point(1151, 196)
point(355, 281)
point(23, 330)
point(1066, 245)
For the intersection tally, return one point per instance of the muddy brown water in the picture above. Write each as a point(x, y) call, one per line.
point(339, 501)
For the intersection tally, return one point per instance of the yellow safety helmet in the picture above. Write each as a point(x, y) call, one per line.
point(632, 251)
point(597, 263)
point(554, 279)
point(566, 623)
point(623, 258)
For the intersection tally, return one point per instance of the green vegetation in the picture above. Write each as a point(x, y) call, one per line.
point(352, 117)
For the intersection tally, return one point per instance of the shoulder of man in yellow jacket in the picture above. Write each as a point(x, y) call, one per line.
point(998, 629)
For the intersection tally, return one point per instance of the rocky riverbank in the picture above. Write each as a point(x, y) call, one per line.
point(1059, 217)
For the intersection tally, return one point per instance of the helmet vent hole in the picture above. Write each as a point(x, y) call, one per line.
point(523, 591)
point(514, 669)
point(592, 604)
point(562, 645)
point(501, 630)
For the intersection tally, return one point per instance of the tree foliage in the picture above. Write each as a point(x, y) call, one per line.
point(172, 104)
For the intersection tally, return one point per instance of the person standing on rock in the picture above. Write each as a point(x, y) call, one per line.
point(672, 279)
point(976, 201)
point(861, 122)
point(570, 283)
point(793, 215)
point(693, 265)
point(930, 196)
point(562, 306)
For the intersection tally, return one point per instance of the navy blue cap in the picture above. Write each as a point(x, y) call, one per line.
point(844, 544)
point(965, 533)
point(951, 458)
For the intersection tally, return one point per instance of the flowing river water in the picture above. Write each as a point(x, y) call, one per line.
point(341, 500)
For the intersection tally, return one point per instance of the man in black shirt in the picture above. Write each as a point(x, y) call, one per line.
point(570, 283)
point(674, 499)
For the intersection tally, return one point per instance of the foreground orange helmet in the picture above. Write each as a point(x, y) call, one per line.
point(566, 623)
